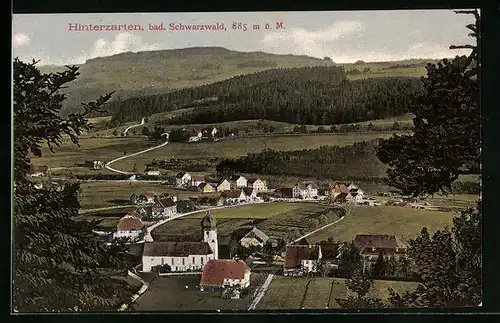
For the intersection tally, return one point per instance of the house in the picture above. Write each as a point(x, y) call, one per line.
point(144, 197)
point(233, 197)
point(258, 185)
point(152, 171)
point(225, 185)
point(97, 164)
point(39, 171)
point(355, 194)
point(196, 135)
point(254, 238)
point(196, 180)
point(330, 252)
point(371, 245)
point(130, 227)
point(183, 255)
point(221, 274)
point(238, 181)
point(164, 208)
point(182, 179)
point(337, 188)
point(305, 190)
point(206, 188)
point(301, 259)
point(251, 195)
point(205, 201)
point(214, 132)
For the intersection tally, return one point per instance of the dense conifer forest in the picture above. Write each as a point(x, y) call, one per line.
point(309, 95)
point(355, 162)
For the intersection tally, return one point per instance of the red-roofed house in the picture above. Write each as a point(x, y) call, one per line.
point(301, 259)
point(221, 273)
point(130, 227)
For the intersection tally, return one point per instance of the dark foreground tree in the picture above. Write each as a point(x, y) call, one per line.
point(446, 135)
point(449, 264)
point(360, 283)
point(57, 263)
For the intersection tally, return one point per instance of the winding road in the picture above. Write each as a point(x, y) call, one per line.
point(143, 121)
point(107, 166)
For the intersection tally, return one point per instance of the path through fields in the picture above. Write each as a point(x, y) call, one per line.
point(262, 291)
point(133, 126)
point(107, 166)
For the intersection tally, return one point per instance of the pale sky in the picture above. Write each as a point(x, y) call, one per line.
point(345, 36)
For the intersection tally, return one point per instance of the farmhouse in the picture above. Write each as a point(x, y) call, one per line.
point(97, 164)
point(152, 171)
point(224, 185)
point(214, 132)
point(254, 238)
point(130, 227)
point(371, 245)
point(223, 273)
point(338, 188)
point(206, 188)
point(238, 181)
point(305, 190)
point(233, 196)
point(164, 208)
point(39, 171)
point(144, 197)
point(258, 185)
point(195, 135)
point(183, 255)
point(196, 180)
point(251, 195)
point(301, 259)
point(182, 179)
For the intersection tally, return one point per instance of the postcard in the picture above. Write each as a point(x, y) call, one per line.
point(246, 161)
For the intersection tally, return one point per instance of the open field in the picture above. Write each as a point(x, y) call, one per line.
point(319, 293)
point(69, 159)
point(242, 146)
point(404, 222)
point(285, 220)
point(102, 194)
point(170, 294)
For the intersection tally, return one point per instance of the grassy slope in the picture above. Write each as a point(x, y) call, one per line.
point(273, 218)
point(403, 222)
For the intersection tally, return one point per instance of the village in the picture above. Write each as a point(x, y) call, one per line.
point(251, 250)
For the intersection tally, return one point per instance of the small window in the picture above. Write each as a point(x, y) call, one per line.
point(172, 261)
point(183, 261)
point(193, 260)
point(202, 260)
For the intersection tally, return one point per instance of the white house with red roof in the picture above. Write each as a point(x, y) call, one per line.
point(196, 135)
point(219, 274)
point(196, 180)
point(130, 227)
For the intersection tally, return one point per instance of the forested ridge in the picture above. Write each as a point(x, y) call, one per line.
point(354, 162)
point(308, 95)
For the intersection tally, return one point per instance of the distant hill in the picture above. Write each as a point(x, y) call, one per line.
point(153, 72)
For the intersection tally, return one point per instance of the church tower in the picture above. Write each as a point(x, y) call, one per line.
point(209, 231)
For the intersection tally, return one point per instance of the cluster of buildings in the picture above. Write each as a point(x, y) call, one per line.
point(97, 164)
point(181, 256)
point(198, 135)
point(233, 190)
point(304, 258)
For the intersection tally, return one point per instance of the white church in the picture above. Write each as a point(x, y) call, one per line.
point(183, 255)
